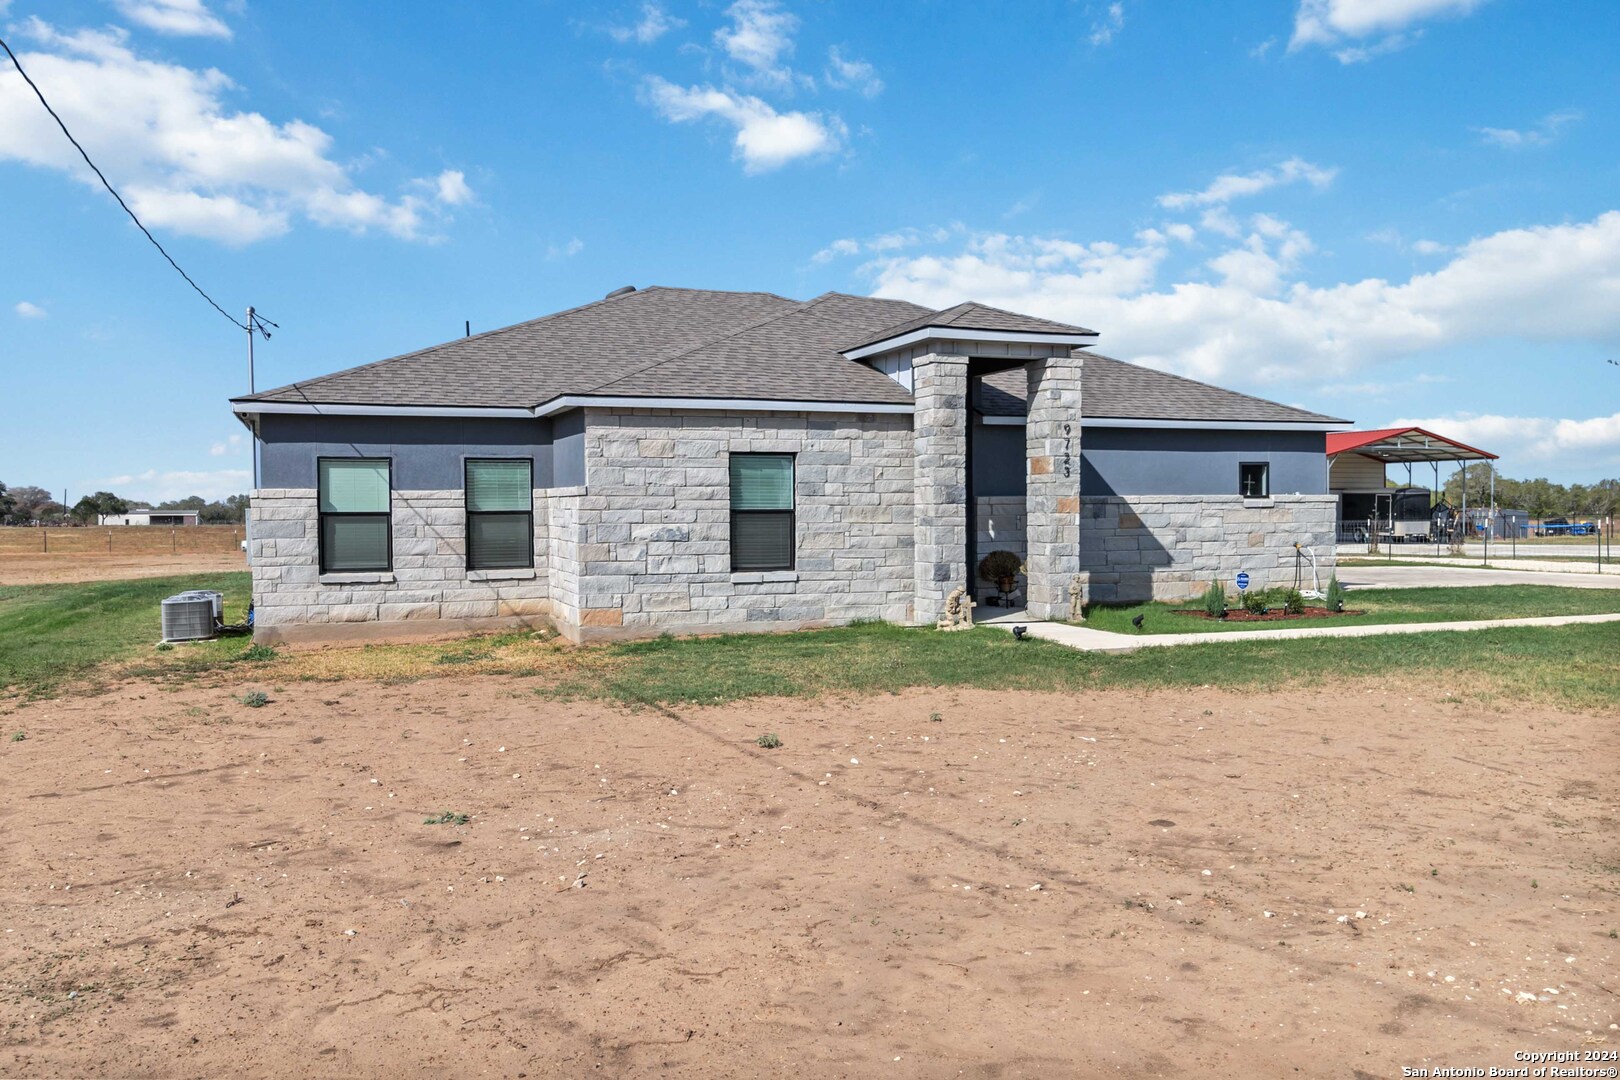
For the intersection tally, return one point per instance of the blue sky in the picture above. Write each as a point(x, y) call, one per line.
point(1391, 210)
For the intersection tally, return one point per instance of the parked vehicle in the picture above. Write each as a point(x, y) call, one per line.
point(1557, 526)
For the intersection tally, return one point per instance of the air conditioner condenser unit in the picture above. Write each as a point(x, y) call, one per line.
point(188, 617)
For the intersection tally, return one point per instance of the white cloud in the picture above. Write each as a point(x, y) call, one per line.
point(28, 310)
point(1394, 239)
point(232, 445)
point(1228, 186)
point(556, 252)
point(1112, 22)
point(1593, 443)
point(156, 486)
point(182, 17)
point(1347, 25)
point(766, 139)
point(851, 74)
point(1544, 132)
point(884, 243)
point(184, 161)
point(654, 23)
point(451, 188)
point(759, 36)
point(1249, 316)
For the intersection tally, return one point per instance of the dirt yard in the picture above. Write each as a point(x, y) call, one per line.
point(938, 883)
point(34, 569)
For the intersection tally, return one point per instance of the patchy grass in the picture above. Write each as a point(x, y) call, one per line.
point(51, 635)
point(1569, 666)
point(1459, 604)
point(56, 636)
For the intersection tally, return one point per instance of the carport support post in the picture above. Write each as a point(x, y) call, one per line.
point(939, 425)
point(1052, 436)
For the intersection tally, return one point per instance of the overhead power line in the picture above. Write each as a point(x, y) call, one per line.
point(114, 193)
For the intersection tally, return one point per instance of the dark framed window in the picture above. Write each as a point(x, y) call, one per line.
point(500, 513)
point(1254, 480)
point(356, 514)
point(762, 524)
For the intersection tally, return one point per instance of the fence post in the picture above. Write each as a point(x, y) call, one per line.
point(109, 541)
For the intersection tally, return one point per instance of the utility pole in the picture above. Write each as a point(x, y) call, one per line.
point(253, 433)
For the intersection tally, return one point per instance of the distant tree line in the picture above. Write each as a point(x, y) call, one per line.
point(29, 505)
point(1540, 497)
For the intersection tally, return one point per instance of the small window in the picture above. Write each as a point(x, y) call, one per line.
point(356, 532)
point(762, 526)
point(500, 514)
point(1254, 480)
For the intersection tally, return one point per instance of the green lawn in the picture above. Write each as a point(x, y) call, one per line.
point(1570, 666)
point(59, 637)
point(1381, 606)
point(53, 634)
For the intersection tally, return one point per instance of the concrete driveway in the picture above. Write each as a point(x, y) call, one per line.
point(1423, 577)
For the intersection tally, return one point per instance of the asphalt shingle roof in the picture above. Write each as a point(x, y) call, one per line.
point(1114, 389)
point(697, 343)
point(790, 357)
point(971, 316)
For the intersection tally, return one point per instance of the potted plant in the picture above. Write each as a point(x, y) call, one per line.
point(1001, 569)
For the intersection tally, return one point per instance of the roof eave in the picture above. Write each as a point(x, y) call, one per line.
point(960, 333)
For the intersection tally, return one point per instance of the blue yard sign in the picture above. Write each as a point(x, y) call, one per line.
point(1243, 580)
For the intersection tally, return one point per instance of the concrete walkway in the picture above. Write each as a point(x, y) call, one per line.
point(1106, 641)
point(1425, 577)
point(1500, 560)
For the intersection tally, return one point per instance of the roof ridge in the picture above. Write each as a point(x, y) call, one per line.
point(798, 306)
point(1087, 355)
point(302, 383)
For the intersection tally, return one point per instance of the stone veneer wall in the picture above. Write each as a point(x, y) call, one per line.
point(1052, 434)
point(939, 384)
point(652, 528)
point(430, 580)
point(1170, 547)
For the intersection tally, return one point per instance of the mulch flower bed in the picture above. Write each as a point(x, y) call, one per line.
point(1239, 615)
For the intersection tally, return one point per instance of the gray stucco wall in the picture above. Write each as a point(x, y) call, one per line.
point(568, 449)
point(427, 452)
point(998, 459)
point(1151, 461)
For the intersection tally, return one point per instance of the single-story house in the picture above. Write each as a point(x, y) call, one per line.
point(145, 515)
point(688, 460)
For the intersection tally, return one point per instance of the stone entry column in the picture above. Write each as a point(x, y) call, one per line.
point(1052, 485)
point(939, 386)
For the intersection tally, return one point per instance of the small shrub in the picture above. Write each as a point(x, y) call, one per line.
point(1293, 602)
point(935, 717)
point(448, 817)
point(769, 741)
point(164, 646)
point(255, 699)
point(1215, 601)
point(1001, 569)
point(257, 654)
point(1335, 594)
point(19, 736)
point(1254, 603)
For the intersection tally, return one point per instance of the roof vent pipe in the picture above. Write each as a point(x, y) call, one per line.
point(620, 291)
